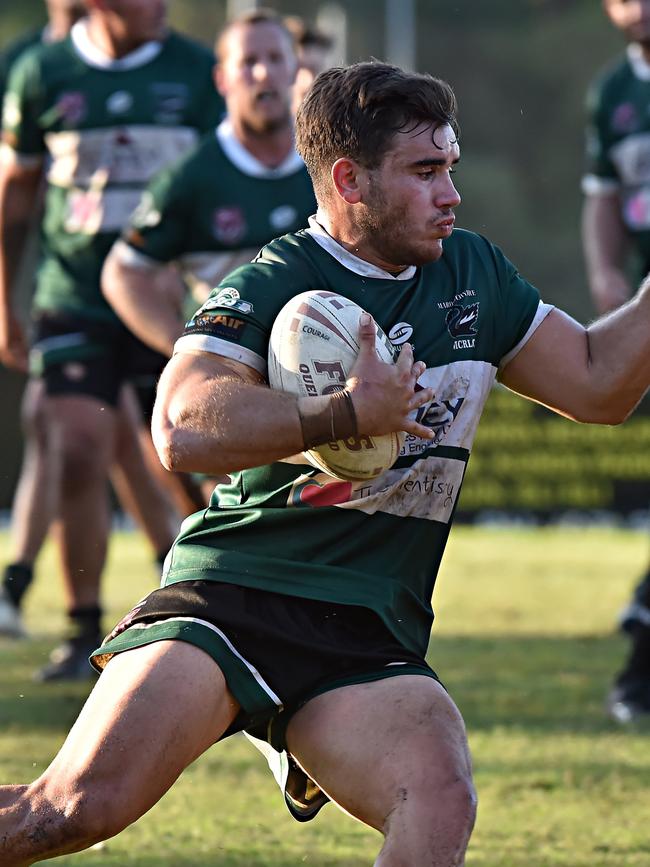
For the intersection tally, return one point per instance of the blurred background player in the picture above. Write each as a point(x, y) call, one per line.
point(616, 240)
point(138, 97)
point(34, 506)
point(313, 49)
point(218, 206)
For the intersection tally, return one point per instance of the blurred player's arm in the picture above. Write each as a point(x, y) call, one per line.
point(19, 198)
point(605, 245)
point(594, 374)
point(216, 415)
point(146, 295)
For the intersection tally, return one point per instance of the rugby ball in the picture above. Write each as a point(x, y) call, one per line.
point(313, 346)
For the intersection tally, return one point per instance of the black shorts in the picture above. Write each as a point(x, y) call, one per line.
point(276, 651)
point(75, 355)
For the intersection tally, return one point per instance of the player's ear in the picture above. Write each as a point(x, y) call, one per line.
point(346, 179)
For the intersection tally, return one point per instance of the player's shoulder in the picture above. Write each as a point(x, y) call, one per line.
point(611, 80)
point(290, 260)
point(185, 47)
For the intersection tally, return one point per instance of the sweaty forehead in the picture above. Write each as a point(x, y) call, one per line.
point(426, 141)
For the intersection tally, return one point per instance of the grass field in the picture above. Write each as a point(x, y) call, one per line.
point(524, 641)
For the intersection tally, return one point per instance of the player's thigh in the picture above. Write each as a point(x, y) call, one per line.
point(367, 745)
point(152, 712)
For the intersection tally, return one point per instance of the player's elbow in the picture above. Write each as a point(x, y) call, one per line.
point(604, 412)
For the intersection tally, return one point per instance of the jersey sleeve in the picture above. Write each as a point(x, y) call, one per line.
point(22, 107)
point(518, 310)
point(235, 322)
point(157, 230)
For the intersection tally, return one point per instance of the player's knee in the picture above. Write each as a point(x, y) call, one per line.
point(450, 804)
point(82, 459)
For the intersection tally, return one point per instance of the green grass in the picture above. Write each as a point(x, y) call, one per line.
point(525, 642)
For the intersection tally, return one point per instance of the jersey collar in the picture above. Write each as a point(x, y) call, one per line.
point(349, 260)
point(92, 56)
point(639, 64)
point(246, 162)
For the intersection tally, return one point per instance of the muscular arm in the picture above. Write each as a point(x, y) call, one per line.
point(216, 416)
point(605, 241)
point(19, 188)
point(596, 374)
point(146, 300)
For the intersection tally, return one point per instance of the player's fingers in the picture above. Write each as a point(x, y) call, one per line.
point(418, 430)
point(418, 369)
point(405, 358)
point(424, 395)
point(367, 334)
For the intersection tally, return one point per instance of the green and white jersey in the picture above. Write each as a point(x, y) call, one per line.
point(106, 127)
point(292, 529)
point(215, 201)
point(618, 143)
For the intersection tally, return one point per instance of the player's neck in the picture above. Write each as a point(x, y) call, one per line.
point(59, 25)
point(269, 148)
point(356, 242)
point(111, 43)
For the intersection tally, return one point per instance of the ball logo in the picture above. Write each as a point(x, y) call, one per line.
point(400, 333)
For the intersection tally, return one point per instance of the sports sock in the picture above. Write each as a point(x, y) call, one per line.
point(16, 579)
point(85, 623)
point(638, 664)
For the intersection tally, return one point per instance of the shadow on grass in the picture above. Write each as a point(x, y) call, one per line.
point(535, 683)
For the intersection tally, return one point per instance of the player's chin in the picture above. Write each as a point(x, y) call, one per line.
point(427, 252)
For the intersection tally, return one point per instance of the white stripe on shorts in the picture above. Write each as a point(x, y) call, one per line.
point(258, 677)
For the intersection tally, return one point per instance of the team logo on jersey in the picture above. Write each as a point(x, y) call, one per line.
point(229, 224)
point(146, 214)
point(228, 297)
point(400, 333)
point(71, 107)
point(170, 98)
point(282, 217)
point(119, 102)
point(625, 118)
point(461, 324)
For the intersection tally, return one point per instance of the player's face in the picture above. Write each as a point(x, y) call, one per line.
point(408, 207)
point(136, 21)
point(632, 17)
point(255, 75)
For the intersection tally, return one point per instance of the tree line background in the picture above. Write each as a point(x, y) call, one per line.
point(520, 69)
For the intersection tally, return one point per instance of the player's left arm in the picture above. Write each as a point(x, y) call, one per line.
point(592, 374)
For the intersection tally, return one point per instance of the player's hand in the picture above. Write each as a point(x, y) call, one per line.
point(13, 344)
point(384, 395)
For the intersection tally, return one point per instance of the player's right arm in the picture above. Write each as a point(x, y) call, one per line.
point(19, 192)
point(605, 237)
point(605, 245)
point(216, 415)
point(21, 159)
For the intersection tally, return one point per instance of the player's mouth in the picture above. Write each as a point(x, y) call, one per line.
point(445, 226)
point(264, 97)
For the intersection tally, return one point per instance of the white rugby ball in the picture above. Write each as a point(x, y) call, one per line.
point(313, 346)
